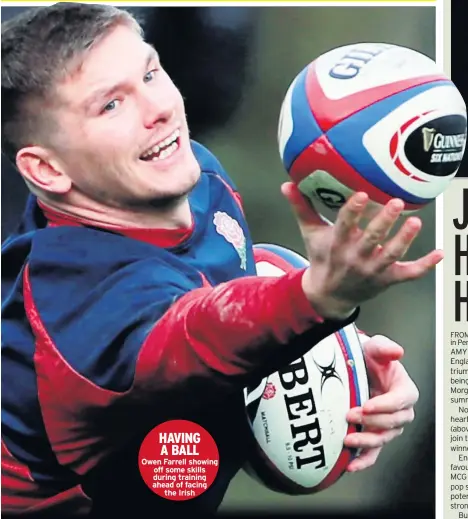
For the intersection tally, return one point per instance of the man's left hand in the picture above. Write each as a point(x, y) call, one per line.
point(391, 406)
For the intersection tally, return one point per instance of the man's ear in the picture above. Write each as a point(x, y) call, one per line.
point(40, 168)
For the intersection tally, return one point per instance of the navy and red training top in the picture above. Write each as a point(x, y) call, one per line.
point(108, 332)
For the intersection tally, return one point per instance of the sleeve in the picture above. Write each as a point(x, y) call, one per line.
point(230, 335)
point(150, 329)
point(148, 342)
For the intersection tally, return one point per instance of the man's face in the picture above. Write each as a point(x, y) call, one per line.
point(123, 136)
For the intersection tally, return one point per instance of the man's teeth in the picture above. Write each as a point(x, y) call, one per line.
point(163, 149)
point(166, 152)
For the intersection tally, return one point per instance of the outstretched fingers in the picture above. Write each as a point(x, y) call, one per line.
point(349, 216)
point(302, 208)
point(379, 227)
point(400, 272)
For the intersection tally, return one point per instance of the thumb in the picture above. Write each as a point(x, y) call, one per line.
point(382, 350)
point(303, 209)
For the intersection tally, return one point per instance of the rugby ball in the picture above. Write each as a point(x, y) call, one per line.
point(297, 415)
point(373, 117)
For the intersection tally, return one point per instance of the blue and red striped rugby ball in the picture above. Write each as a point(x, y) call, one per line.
point(372, 117)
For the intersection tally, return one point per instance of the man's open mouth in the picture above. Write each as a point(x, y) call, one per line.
point(162, 149)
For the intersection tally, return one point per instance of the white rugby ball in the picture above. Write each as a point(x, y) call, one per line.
point(298, 414)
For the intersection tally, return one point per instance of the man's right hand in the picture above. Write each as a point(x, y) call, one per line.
point(350, 265)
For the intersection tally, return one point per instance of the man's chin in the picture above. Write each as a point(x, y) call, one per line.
point(173, 195)
point(165, 201)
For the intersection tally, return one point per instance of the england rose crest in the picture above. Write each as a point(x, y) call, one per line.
point(270, 391)
point(233, 233)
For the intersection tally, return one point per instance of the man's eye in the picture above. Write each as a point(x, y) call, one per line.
point(112, 105)
point(149, 75)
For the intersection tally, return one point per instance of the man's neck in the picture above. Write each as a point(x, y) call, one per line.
point(178, 216)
